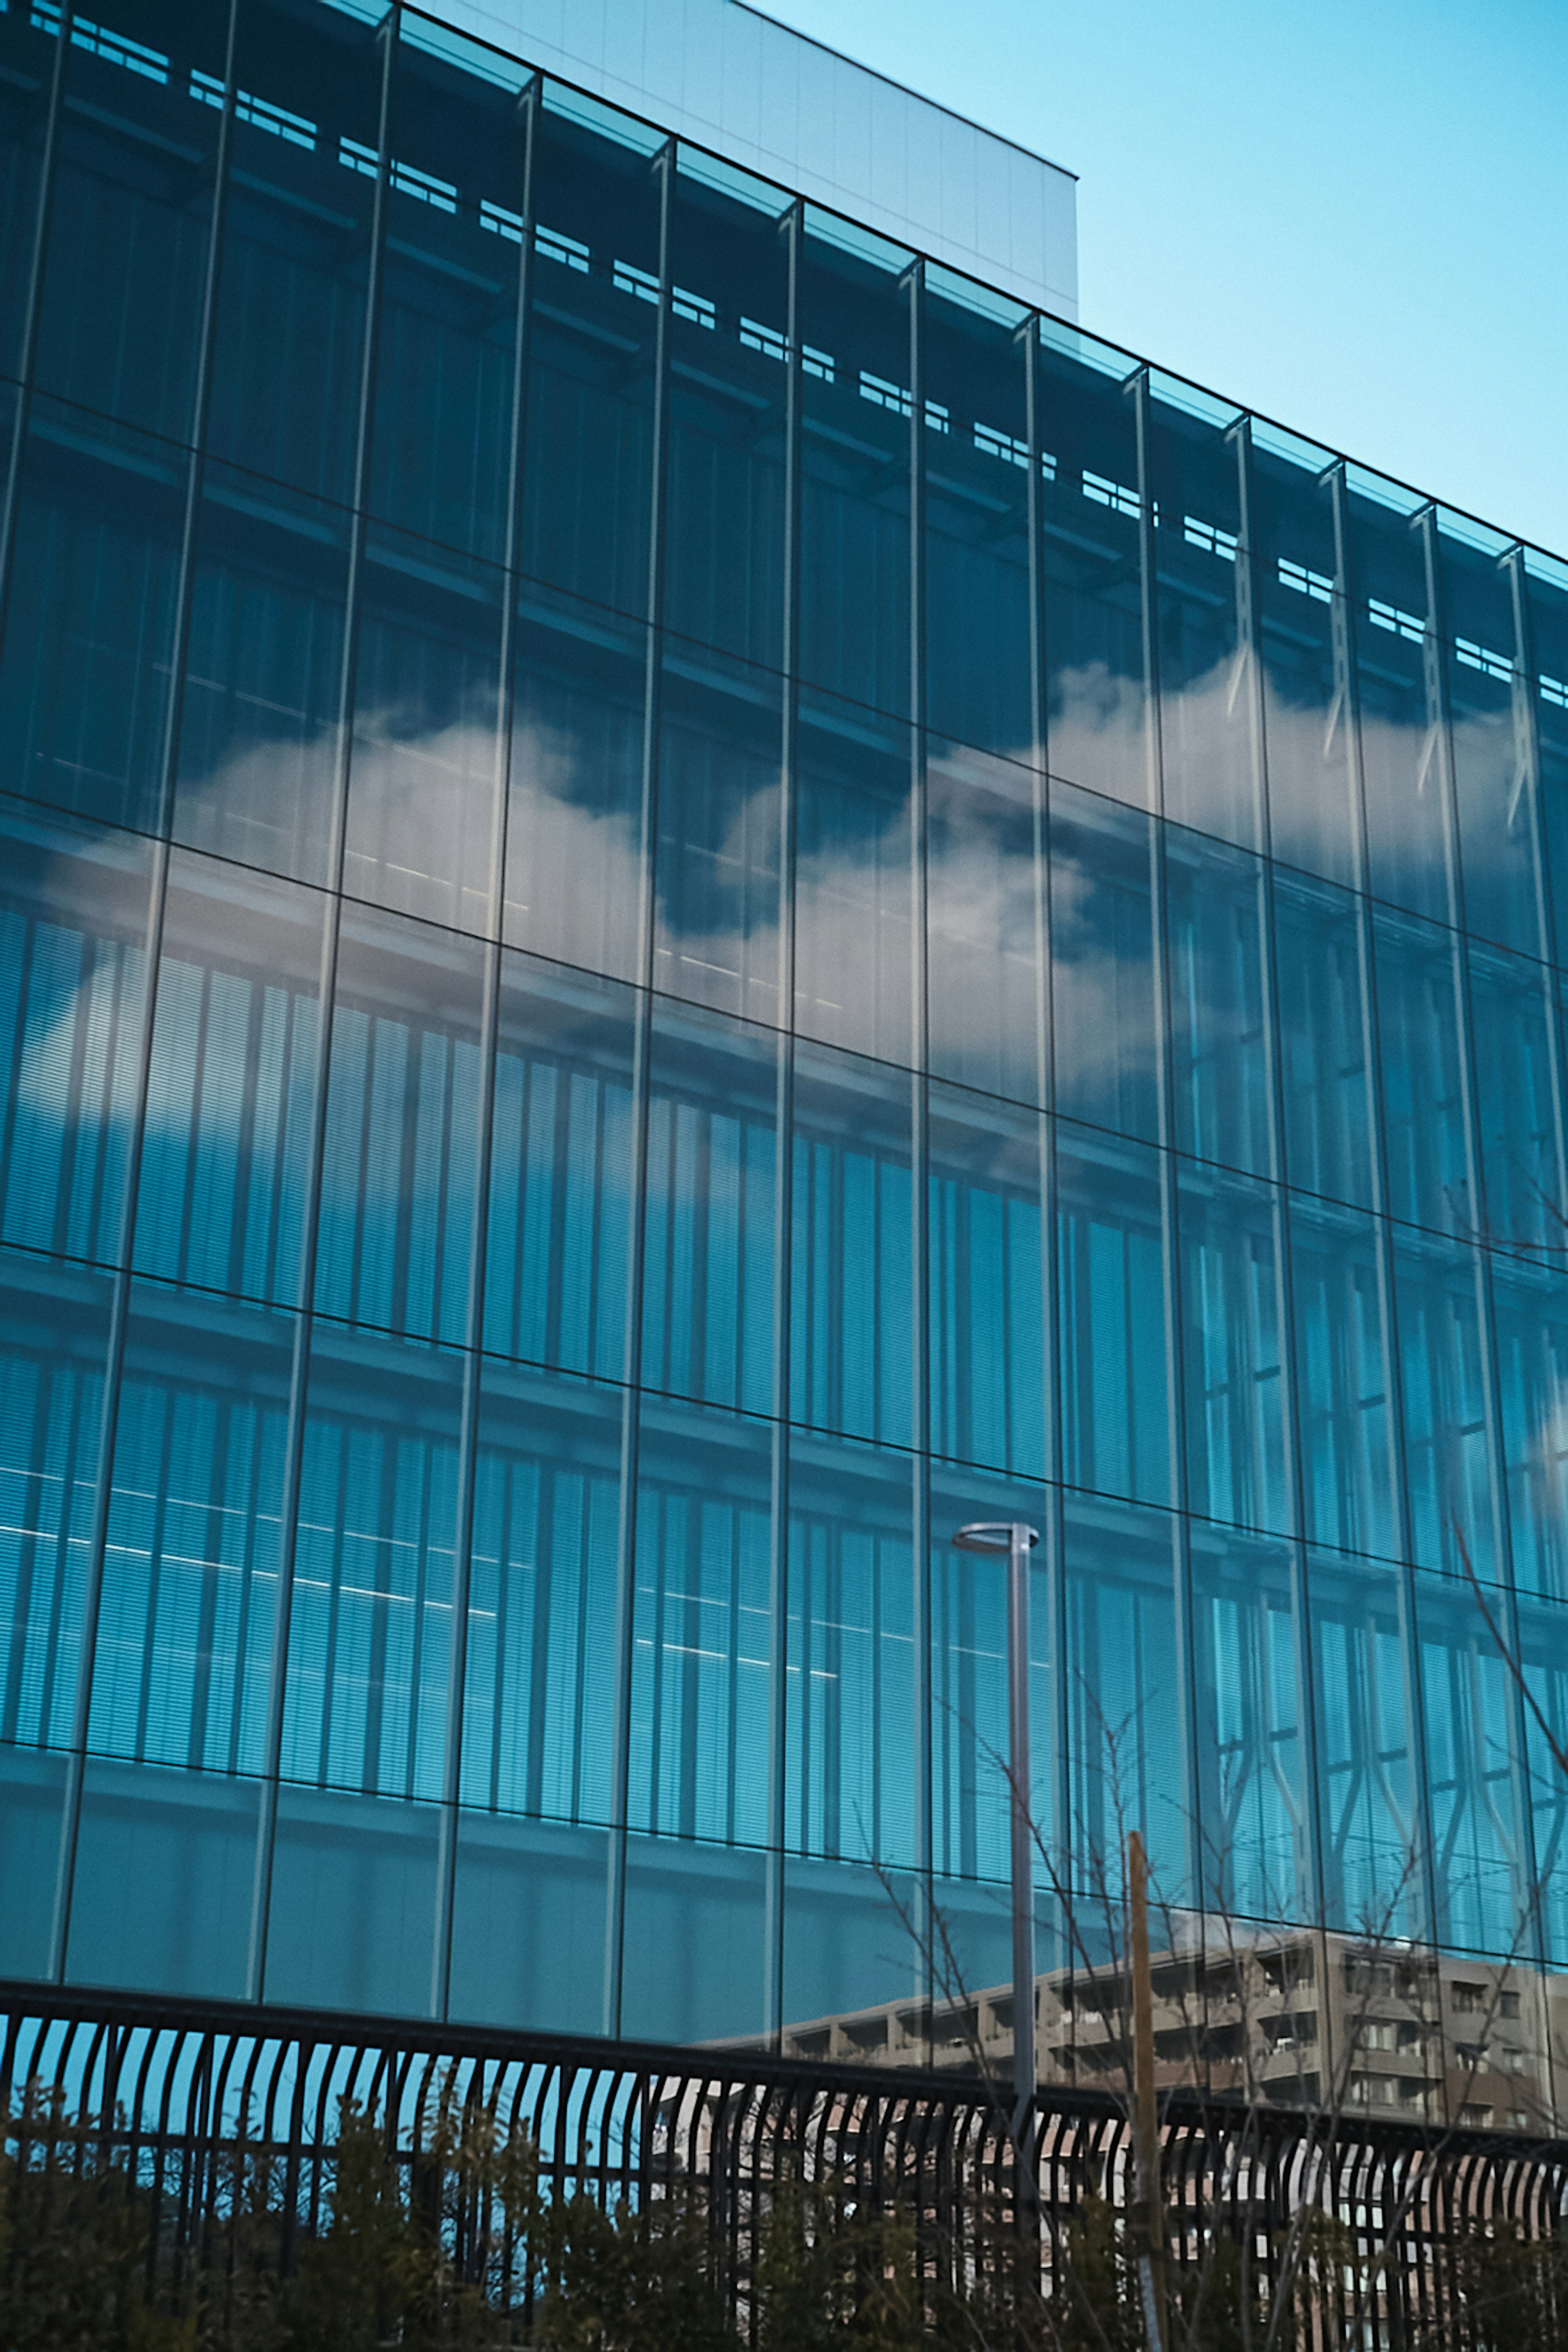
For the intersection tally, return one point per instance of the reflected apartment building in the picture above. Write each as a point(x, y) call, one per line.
point(688, 894)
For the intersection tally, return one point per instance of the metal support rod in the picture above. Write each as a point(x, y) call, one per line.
point(1148, 2210)
point(1017, 1540)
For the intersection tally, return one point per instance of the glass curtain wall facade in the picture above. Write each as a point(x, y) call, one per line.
point(685, 900)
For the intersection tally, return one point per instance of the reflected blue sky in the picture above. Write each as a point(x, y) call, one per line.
point(1341, 216)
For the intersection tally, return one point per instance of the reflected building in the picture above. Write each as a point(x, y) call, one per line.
point(689, 894)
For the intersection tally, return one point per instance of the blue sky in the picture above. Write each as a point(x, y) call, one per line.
point(1350, 214)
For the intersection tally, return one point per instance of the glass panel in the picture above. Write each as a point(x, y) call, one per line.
point(1098, 705)
point(560, 1177)
point(1543, 1655)
point(1547, 623)
point(1473, 1772)
point(1368, 1796)
point(854, 882)
point(852, 1272)
point(724, 550)
point(1530, 1306)
point(1314, 819)
point(1207, 683)
point(1447, 1454)
point(74, 918)
point(1407, 824)
point(28, 55)
point(1248, 1654)
point(441, 431)
point(1516, 1101)
point(587, 447)
point(857, 360)
point(573, 862)
point(287, 353)
point(1102, 968)
point(1220, 1063)
point(32, 1817)
point(1231, 1351)
point(1326, 1083)
point(541, 1690)
point(716, 927)
point(710, 1210)
point(369, 1619)
point(987, 1291)
point(695, 1940)
point(187, 1622)
point(528, 1925)
point(1419, 1057)
point(1491, 749)
point(130, 215)
point(425, 775)
point(1115, 1406)
point(985, 881)
point(971, 1733)
point(258, 765)
point(166, 1871)
point(1126, 1713)
point(853, 1741)
point(84, 669)
point(402, 1129)
point(977, 542)
point(847, 1951)
point(703, 1635)
point(231, 1087)
point(352, 1922)
point(54, 1330)
point(1343, 1401)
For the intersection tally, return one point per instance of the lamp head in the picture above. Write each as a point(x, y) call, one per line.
point(995, 1536)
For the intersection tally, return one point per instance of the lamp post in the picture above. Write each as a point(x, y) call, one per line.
point(1017, 1540)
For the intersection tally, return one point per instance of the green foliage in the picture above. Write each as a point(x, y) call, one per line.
point(830, 2272)
point(640, 2278)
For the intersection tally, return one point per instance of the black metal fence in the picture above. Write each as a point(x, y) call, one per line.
point(181, 2096)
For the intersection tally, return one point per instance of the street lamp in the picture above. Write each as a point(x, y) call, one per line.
point(1016, 1540)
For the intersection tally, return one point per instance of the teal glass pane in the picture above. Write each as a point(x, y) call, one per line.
point(541, 1668)
point(527, 1925)
point(75, 911)
point(1546, 625)
point(854, 1976)
point(1232, 1351)
point(166, 1877)
point(1314, 818)
point(854, 880)
point(588, 429)
point(1220, 1074)
point(94, 566)
point(1530, 1305)
point(288, 348)
point(851, 1267)
point(186, 1626)
point(718, 912)
point(1099, 705)
point(1248, 1658)
point(1208, 715)
point(575, 844)
point(28, 54)
point(424, 768)
point(986, 1007)
point(1127, 1714)
point(1103, 1001)
point(1448, 1454)
point(1494, 804)
point(1420, 1068)
point(130, 217)
point(987, 1298)
point(32, 1821)
point(1325, 1081)
point(561, 1203)
point(259, 748)
point(709, 1209)
point(1345, 1413)
point(695, 1942)
point(1544, 1661)
point(854, 1743)
point(853, 309)
point(55, 1336)
point(371, 1609)
point(1111, 1274)
point(1512, 1023)
point(352, 1917)
point(394, 1243)
point(1374, 1828)
point(231, 1086)
point(724, 547)
point(1402, 756)
point(1473, 1775)
point(703, 1636)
